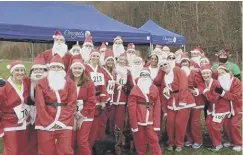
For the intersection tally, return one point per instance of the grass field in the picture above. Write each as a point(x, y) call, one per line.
point(4, 73)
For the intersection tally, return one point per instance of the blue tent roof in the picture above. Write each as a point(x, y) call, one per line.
point(161, 35)
point(39, 20)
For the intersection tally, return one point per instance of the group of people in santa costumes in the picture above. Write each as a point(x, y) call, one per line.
point(64, 105)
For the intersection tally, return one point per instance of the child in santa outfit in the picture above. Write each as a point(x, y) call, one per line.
point(60, 48)
point(15, 111)
point(194, 133)
point(55, 101)
point(37, 72)
point(175, 89)
point(85, 108)
point(218, 108)
point(231, 89)
point(96, 72)
point(144, 114)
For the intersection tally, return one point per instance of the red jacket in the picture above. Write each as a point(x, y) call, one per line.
point(138, 111)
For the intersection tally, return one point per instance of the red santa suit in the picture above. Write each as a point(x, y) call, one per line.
point(15, 115)
point(48, 54)
point(232, 124)
point(97, 76)
point(144, 114)
point(55, 108)
point(178, 103)
point(218, 109)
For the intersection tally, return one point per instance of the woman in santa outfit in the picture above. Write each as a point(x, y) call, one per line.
point(144, 114)
point(194, 133)
point(175, 90)
point(37, 72)
point(85, 108)
point(15, 111)
point(231, 89)
point(218, 108)
point(96, 72)
point(55, 100)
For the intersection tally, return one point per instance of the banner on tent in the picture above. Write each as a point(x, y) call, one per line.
point(169, 39)
point(74, 34)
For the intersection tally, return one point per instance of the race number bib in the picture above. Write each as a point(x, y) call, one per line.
point(218, 118)
point(121, 80)
point(80, 106)
point(22, 111)
point(97, 78)
point(110, 87)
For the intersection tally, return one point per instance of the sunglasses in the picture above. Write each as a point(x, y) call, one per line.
point(171, 58)
point(163, 65)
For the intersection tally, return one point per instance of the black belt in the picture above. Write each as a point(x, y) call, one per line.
point(174, 92)
point(9, 113)
point(55, 104)
point(147, 104)
point(97, 92)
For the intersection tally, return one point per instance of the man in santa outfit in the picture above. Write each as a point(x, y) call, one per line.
point(131, 53)
point(195, 57)
point(223, 56)
point(194, 133)
point(175, 90)
point(87, 47)
point(75, 50)
point(55, 101)
point(103, 48)
point(60, 48)
point(231, 89)
point(171, 59)
point(144, 111)
point(118, 47)
point(218, 108)
point(14, 111)
point(37, 72)
point(178, 55)
point(136, 67)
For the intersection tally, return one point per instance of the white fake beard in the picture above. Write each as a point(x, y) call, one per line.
point(135, 71)
point(85, 52)
point(130, 58)
point(178, 59)
point(56, 80)
point(60, 49)
point(186, 70)
point(122, 71)
point(172, 63)
point(196, 59)
point(144, 84)
point(225, 81)
point(118, 50)
point(102, 58)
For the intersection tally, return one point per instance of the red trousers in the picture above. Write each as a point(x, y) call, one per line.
point(194, 128)
point(55, 142)
point(140, 140)
point(176, 126)
point(32, 141)
point(16, 142)
point(120, 116)
point(80, 139)
point(214, 130)
point(93, 134)
point(232, 129)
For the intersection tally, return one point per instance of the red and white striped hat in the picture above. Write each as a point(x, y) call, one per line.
point(109, 54)
point(88, 39)
point(15, 64)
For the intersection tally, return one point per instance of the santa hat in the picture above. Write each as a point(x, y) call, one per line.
point(184, 56)
point(222, 52)
point(57, 61)
point(118, 38)
point(166, 48)
point(103, 46)
point(15, 64)
point(179, 51)
point(138, 58)
point(204, 59)
point(58, 34)
point(77, 62)
point(224, 67)
point(95, 51)
point(158, 46)
point(170, 55)
point(88, 39)
point(39, 63)
point(145, 70)
point(163, 61)
point(197, 50)
point(131, 47)
point(205, 68)
point(109, 54)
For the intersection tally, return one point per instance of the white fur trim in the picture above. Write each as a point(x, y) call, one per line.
point(77, 63)
point(135, 130)
point(56, 64)
point(2, 134)
point(88, 43)
point(38, 66)
point(198, 107)
point(54, 36)
point(204, 59)
point(144, 71)
point(182, 104)
point(197, 92)
point(156, 129)
point(223, 93)
point(110, 57)
point(87, 33)
point(94, 53)
point(17, 66)
point(195, 51)
point(206, 70)
point(8, 67)
point(205, 90)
